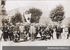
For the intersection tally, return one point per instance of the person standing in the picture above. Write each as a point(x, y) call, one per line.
point(47, 33)
point(24, 35)
point(51, 32)
point(32, 32)
point(5, 32)
point(68, 35)
point(65, 32)
point(59, 30)
point(38, 31)
point(54, 34)
point(15, 35)
point(21, 28)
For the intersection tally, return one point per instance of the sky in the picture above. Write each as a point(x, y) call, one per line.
point(43, 5)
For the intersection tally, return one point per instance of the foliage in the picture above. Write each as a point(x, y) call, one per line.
point(57, 14)
point(16, 18)
point(35, 14)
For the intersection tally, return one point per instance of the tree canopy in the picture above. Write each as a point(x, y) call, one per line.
point(35, 14)
point(16, 18)
point(57, 14)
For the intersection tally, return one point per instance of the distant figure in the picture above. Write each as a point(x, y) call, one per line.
point(37, 31)
point(5, 32)
point(51, 32)
point(24, 35)
point(1, 34)
point(54, 34)
point(68, 35)
point(59, 30)
point(32, 32)
point(10, 33)
point(65, 32)
point(47, 34)
point(16, 36)
point(21, 28)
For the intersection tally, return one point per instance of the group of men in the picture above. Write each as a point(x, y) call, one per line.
point(15, 32)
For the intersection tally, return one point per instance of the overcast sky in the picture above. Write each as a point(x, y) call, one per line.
point(43, 5)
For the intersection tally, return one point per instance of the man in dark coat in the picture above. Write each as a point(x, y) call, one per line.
point(68, 32)
point(5, 32)
point(59, 30)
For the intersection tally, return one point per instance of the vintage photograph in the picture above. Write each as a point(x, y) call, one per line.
point(34, 23)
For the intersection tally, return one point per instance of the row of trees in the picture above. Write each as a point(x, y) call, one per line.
point(56, 15)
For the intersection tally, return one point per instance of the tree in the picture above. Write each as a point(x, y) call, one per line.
point(57, 14)
point(16, 18)
point(35, 14)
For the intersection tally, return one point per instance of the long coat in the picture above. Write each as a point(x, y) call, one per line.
point(5, 32)
point(32, 30)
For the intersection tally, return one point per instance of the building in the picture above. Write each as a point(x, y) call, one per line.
point(3, 13)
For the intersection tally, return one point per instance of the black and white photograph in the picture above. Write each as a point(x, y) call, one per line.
point(35, 23)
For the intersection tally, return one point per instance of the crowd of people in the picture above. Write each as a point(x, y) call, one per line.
point(31, 31)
